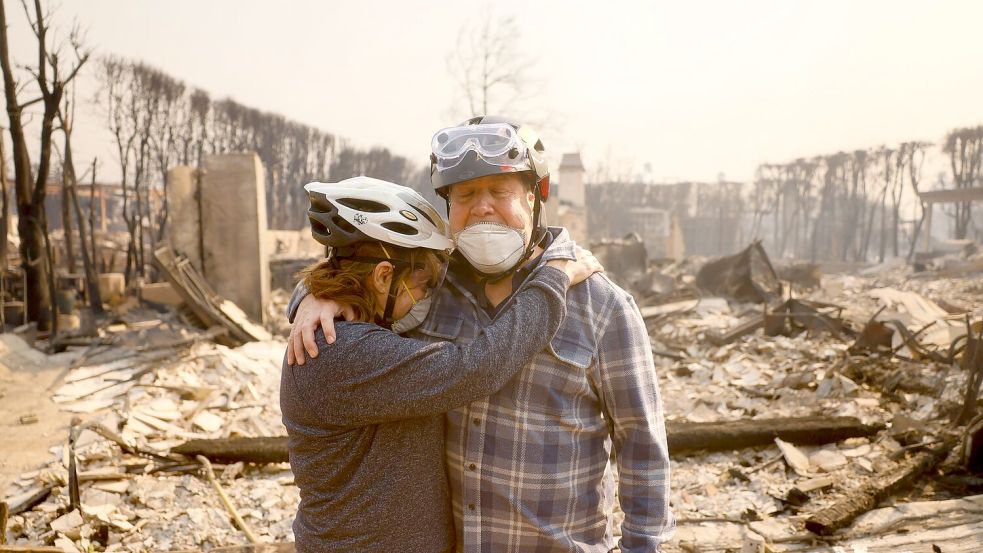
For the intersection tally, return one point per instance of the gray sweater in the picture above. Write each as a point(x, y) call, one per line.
point(366, 427)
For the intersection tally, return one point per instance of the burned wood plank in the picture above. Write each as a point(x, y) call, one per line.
point(860, 500)
point(4, 511)
point(723, 436)
point(683, 436)
point(30, 502)
point(204, 302)
point(972, 363)
point(232, 450)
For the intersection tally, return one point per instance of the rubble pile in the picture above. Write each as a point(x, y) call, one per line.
point(723, 361)
point(152, 390)
point(793, 410)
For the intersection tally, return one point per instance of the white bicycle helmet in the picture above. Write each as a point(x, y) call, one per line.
point(363, 209)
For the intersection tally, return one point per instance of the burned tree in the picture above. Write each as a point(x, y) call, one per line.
point(5, 214)
point(51, 76)
point(833, 176)
point(765, 198)
point(66, 117)
point(116, 78)
point(488, 65)
point(168, 95)
point(915, 154)
point(965, 150)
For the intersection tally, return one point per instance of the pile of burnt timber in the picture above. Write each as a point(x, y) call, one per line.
point(210, 308)
point(896, 352)
point(858, 501)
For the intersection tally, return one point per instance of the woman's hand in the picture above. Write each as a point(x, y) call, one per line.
point(578, 271)
point(311, 313)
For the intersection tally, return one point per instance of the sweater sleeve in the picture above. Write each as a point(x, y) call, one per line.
point(372, 375)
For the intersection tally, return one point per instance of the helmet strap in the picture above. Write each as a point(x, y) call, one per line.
point(387, 314)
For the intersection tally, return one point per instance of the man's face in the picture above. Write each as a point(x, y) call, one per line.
point(502, 198)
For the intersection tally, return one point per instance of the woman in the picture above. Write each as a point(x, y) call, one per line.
point(365, 417)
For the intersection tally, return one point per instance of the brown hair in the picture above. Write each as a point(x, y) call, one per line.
point(347, 282)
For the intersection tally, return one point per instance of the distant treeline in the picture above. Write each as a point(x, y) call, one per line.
point(848, 206)
point(844, 206)
point(159, 121)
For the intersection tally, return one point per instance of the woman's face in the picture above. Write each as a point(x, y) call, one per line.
point(412, 287)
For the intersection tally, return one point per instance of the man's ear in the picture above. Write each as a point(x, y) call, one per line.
point(382, 277)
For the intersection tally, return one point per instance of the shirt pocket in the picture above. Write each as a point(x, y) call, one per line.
point(556, 382)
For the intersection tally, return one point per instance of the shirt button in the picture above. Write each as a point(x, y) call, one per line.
point(472, 466)
point(476, 422)
point(470, 506)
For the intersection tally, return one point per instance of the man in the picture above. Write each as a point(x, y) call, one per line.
point(528, 465)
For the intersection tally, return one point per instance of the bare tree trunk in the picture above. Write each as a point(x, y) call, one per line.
point(165, 210)
point(32, 224)
point(66, 225)
point(71, 183)
point(37, 299)
point(5, 213)
point(882, 246)
point(915, 233)
point(53, 327)
point(98, 265)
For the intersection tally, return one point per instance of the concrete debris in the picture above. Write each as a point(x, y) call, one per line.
point(139, 403)
point(625, 258)
point(727, 367)
point(781, 409)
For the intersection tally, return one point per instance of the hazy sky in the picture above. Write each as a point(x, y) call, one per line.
point(694, 88)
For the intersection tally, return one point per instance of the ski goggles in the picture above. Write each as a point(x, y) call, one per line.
point(495, 143)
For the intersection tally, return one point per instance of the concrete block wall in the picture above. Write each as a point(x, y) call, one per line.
point(183, 218)
point(233, 221)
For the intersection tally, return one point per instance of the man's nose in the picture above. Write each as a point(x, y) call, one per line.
point(483, 204)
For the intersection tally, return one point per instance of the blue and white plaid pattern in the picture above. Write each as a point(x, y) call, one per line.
point(529, 465)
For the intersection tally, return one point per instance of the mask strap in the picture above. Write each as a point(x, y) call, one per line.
point(407, 288)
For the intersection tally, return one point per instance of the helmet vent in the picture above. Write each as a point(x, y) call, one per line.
point(343, 224)
point(320, 203)
point(366, 206)
point(401, 228)
point(424, 215)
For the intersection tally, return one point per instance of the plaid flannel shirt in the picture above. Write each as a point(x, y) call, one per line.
point(528, 465)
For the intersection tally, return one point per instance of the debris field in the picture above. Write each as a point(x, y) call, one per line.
point(813, 414)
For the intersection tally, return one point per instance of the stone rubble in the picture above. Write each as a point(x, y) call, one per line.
point(155, 399)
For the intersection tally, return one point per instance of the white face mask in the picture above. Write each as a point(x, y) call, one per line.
point(491, 248)
point(414, 317)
